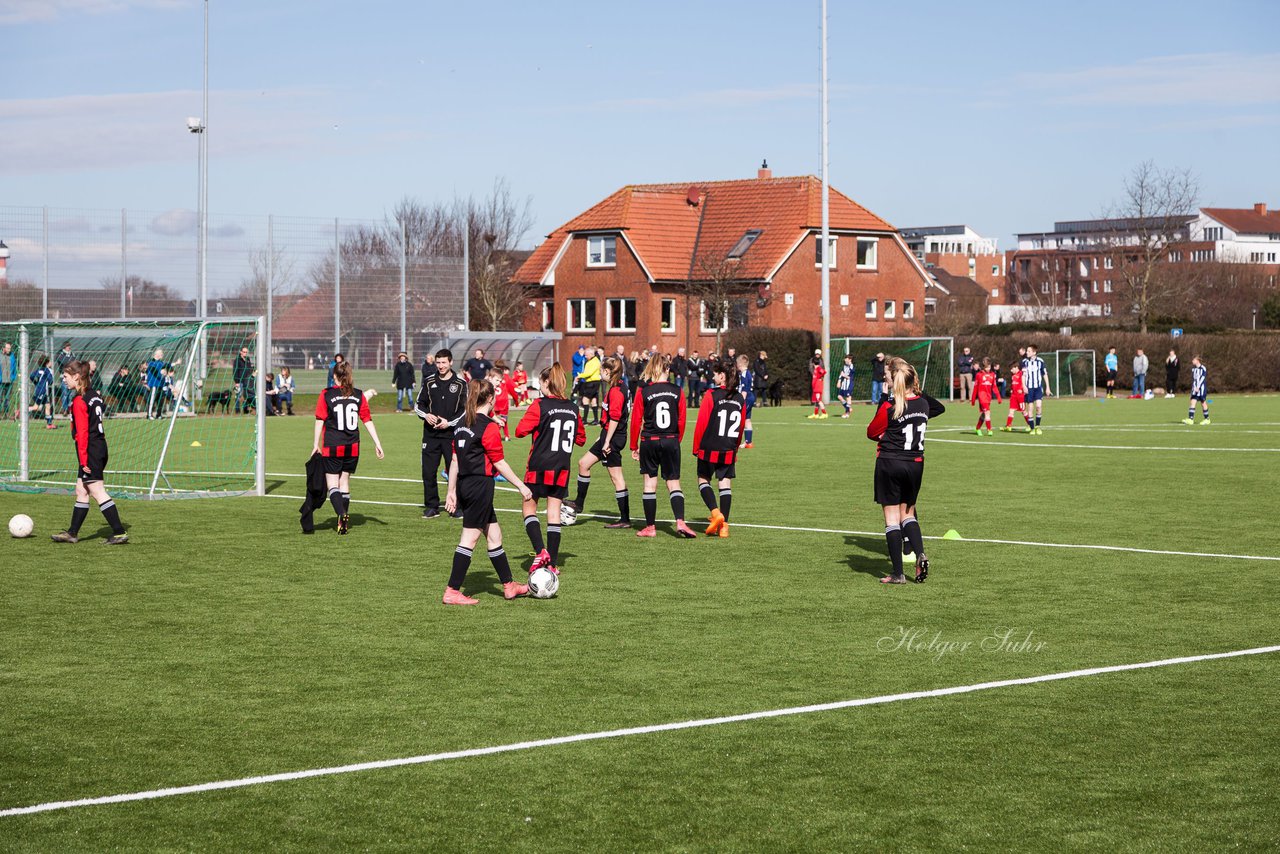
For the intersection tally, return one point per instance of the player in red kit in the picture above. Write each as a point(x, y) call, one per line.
point(985, 388)
point(520, 380)
point(716, 439)
point(657, 428)
point(1017, 398)
point(898, 429)
point(91, 456)
point(476, 458)
point(818, 385)
point(556, 427)
point(501, 401)
point(608, 448)
point(339, 411)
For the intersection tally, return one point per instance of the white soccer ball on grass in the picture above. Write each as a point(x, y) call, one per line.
point(543, 583)
point(567, 514)
point(21, 526)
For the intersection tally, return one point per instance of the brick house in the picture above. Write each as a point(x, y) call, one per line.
point(634, 268)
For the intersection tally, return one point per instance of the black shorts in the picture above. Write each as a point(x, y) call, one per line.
point(660, 457)
point(612, 458)
point(898, 481)
point(1111, 376)
point(97, 466)
point(589, 389)
point(545, 490)
point(338, 465)
point(716, 471)
point(475, 500)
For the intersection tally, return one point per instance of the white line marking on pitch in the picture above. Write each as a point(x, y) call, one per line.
point(621, 733)
point(1087, 546)
point(1036, 444)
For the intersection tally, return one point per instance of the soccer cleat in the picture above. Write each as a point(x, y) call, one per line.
point(1188, 421)
point(824, 416)
point(723, 533)
point(457, 597)
point(618, 524)
point(989, 433)
point(116, 540)
point(511, 590)
point(65, 537)
point(749, 445)
point(1205, 423)
point(647, 531)
point(344, 523)
point(684, 532)
point(717, 519)
point(846, 415)
point(430, 513)
point(1038, 431)
point(922, 569)
point(811, 417)
point(542, 560)
point(1006, 429)
point(894, 579)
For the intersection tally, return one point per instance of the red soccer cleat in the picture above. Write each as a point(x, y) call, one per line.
point(511, 590)
point(457, 597)
point(647, 531)
point(543, 559)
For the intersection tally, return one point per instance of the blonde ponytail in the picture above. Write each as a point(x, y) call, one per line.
point(904, 381)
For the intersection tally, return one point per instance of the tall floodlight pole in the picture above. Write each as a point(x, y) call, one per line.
point(204, 177)
point(826, 216)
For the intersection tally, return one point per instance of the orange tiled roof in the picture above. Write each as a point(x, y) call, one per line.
point(1246, 220)
point(659, 221)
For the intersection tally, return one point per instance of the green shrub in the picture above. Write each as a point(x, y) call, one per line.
point(789, 353)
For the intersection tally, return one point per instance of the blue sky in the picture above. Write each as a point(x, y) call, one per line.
point(1005, 115)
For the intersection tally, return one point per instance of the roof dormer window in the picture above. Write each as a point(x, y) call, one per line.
point(602, 251)
point(744, 243)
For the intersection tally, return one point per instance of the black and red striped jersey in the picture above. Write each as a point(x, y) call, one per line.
point(615, 411)
point(86, 426)
point(342, 414)
point(718, 432)
point(658, 413)
point(477, 448)
point(556, 428)
point(903, 438)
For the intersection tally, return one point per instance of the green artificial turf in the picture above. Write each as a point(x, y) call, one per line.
point(221, 643)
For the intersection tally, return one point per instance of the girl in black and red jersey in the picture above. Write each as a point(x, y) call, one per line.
point(657, 428)
point(477, 457)
point(899, 427)
point(608, 448)
point(339, 411)
point(716, 438)
point(91, 454)
point(556, 427)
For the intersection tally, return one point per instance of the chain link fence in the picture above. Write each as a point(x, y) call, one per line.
point(360, 287)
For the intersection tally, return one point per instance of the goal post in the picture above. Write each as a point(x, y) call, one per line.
point(933, 358)
point(181, 418)
point(1075, 373)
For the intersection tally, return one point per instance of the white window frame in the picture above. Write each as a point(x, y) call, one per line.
point(548, 314)
point(1106, 286)
point(1044, 287)
point(1108, 263)
point(602, 241)
point(788, 299)
point(873, 253)
point(835, 250)
point(870, 309)
point(995, 293)
point(908, 309)
point(669, 329)
point(702, 319)
point(890, 310)
point(611, 307)
point(573, 316)
point(844, 300)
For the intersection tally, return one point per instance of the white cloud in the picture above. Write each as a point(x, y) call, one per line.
point(174, 222)
point(41, 11)
point(1217, 79)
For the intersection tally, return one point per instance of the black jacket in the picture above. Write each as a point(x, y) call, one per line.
point(317, 493)
point(403, 376)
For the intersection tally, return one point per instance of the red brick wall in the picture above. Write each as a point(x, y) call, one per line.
point(958, 265)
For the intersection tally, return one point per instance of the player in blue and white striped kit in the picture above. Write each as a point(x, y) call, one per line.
point(1035, 377)
point(1199, 391)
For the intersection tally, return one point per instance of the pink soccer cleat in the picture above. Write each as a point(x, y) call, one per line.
point(511, 590)
point(684, 532)
point(543, 559)
point(647, 531)
point(457, 597)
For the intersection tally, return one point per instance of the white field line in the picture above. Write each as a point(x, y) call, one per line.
point(622, 733)
point(1053, 445)
point(880, 533)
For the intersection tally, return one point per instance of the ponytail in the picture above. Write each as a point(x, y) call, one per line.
point(556, 381)
point(479, 393)
point(730, 372)
point(657, 366)
point(342, 377)
point(905, 382)
point(613, 365)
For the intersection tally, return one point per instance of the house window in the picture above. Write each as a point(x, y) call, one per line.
point(548, 314)
point(667, 320)
point(1213, 233)
point(890, 310)
point(867, 253)
point(621, 315)
point(788, 299)
point(844, 300)
point(602, 251)
point(995, 293)
point(744, 243)
point(1044, 287)
point(908, 309)
point(1202, 255)
point(582, 315)
point(1095, 287)
point(817, 251)
point(707, 323)
point(1106, 286)
point(1108, 262)
point(995, 269)
point(930, 307)
point(1106, 309)
point(1175, 256)
point(871, 309)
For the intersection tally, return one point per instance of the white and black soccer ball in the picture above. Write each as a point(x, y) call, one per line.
point(543, 583)
point(568, 515)
point(21, 526)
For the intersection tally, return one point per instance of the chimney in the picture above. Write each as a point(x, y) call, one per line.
point(1260, 208)
point(764, 171)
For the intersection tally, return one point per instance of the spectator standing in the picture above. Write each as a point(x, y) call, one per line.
point(8, 370)
point(64, 358)
point(761, 370)
point(877, 378)
point(478, 367)
point(680, 370)
point(120, 392)
point(1171, 368)
point(403, 378)
point(966, 369)
point(1140, 365)
point(579, 359)
point(338, 359)
point(242, 375)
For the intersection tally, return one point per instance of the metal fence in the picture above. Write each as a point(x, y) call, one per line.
point(362, 287)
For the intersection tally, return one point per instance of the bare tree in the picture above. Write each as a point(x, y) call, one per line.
point(1146, 224)
point(726, 296)
point(496, 226)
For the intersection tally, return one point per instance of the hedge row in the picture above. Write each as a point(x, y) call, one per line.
point(789, 353)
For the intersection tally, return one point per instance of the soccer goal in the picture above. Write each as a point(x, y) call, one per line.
point(1075, 372)
point(182, 398)
point(933, 359)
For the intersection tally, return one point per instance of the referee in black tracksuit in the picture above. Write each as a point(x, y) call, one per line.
point(441, 405)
